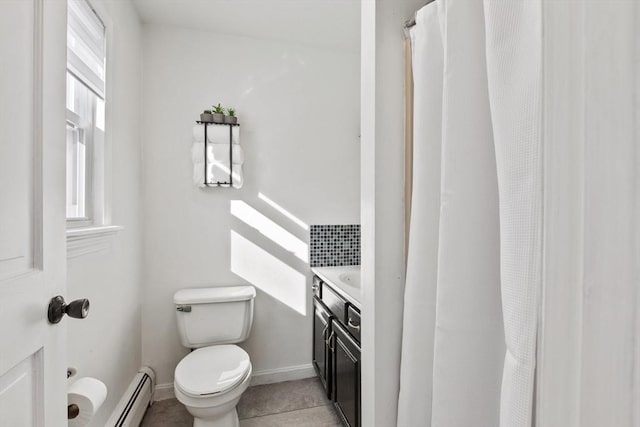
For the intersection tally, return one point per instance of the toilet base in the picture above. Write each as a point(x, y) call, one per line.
point(217, 410)
point(230, 419)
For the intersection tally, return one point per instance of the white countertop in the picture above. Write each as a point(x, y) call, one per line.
point(345, 280)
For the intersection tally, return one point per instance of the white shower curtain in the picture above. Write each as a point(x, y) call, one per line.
point(417, 345)
point(474, 248)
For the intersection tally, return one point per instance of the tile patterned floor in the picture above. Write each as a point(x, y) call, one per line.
point(293, 403)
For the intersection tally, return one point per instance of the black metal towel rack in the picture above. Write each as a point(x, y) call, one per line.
point(206, 155)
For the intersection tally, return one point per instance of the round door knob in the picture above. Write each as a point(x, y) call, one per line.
point(78, 309)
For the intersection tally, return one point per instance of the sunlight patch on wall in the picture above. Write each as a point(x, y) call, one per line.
point(268, 273)
point(283, 211)
point(270, 229)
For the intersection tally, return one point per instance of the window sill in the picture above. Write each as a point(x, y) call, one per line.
point(86, 240)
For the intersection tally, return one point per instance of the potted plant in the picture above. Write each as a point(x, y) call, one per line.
point(218, 114)
point(206, 116)
point(231, 118)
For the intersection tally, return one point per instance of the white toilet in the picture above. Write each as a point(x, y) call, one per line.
point(210, 380)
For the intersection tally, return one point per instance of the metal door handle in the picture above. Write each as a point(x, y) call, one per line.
point(324, 331)
point(353, 325)
point(329, 342)
point(78, 309)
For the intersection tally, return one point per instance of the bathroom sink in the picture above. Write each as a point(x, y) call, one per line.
point(345, 279)
point(351, 278)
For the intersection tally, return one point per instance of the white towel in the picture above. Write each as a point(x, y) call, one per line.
point(198, 174)
point(218, 164)
point(218, 172)
point(223, 175)
point(216, 134)
point(220, 152)
point(217, 151)
point(198, 133)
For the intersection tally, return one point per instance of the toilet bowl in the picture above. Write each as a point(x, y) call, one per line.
point(210, 380)
point(209, 383)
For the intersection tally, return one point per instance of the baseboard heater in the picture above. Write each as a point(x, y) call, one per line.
point(131, 408)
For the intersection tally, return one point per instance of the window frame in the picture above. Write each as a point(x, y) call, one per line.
point(89, 236)
point(91, 193)
point(94, 194)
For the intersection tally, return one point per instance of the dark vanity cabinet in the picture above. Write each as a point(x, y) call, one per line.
point(346, 376)
point(321, 343)
point(336, 349)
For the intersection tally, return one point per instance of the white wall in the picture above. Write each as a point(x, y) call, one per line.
point(382, 205)
point(299, 110)
point(106, 344)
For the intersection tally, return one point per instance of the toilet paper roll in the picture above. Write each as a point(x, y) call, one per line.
point(89, 394)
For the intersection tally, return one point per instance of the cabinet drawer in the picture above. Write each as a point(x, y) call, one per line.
point(334, 302)
point(353, 322)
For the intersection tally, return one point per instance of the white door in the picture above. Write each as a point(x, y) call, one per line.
point(32, 207)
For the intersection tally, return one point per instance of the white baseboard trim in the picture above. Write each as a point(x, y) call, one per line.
point(269, 376)
point(163, 392)
point(289, 373)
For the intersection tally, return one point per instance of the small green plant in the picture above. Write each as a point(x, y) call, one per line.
point(231, 112)
point(206, 112)
point(217, 109)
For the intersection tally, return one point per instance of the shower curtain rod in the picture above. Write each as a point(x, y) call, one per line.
point(411, 22)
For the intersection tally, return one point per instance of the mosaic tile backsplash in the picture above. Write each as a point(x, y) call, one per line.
point(334, 245)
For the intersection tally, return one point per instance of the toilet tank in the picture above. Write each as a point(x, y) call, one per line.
point(218, 315)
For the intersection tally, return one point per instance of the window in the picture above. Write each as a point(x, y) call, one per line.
point(86, 60)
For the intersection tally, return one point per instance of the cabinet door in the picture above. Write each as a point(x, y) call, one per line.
point(346, 376)
point(321, 333)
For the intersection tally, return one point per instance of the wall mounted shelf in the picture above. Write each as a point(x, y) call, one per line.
point(206, 154)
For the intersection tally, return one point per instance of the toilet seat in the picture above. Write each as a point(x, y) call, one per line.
point(213, 370)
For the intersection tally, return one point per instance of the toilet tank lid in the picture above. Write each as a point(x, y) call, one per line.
point(217, 294)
